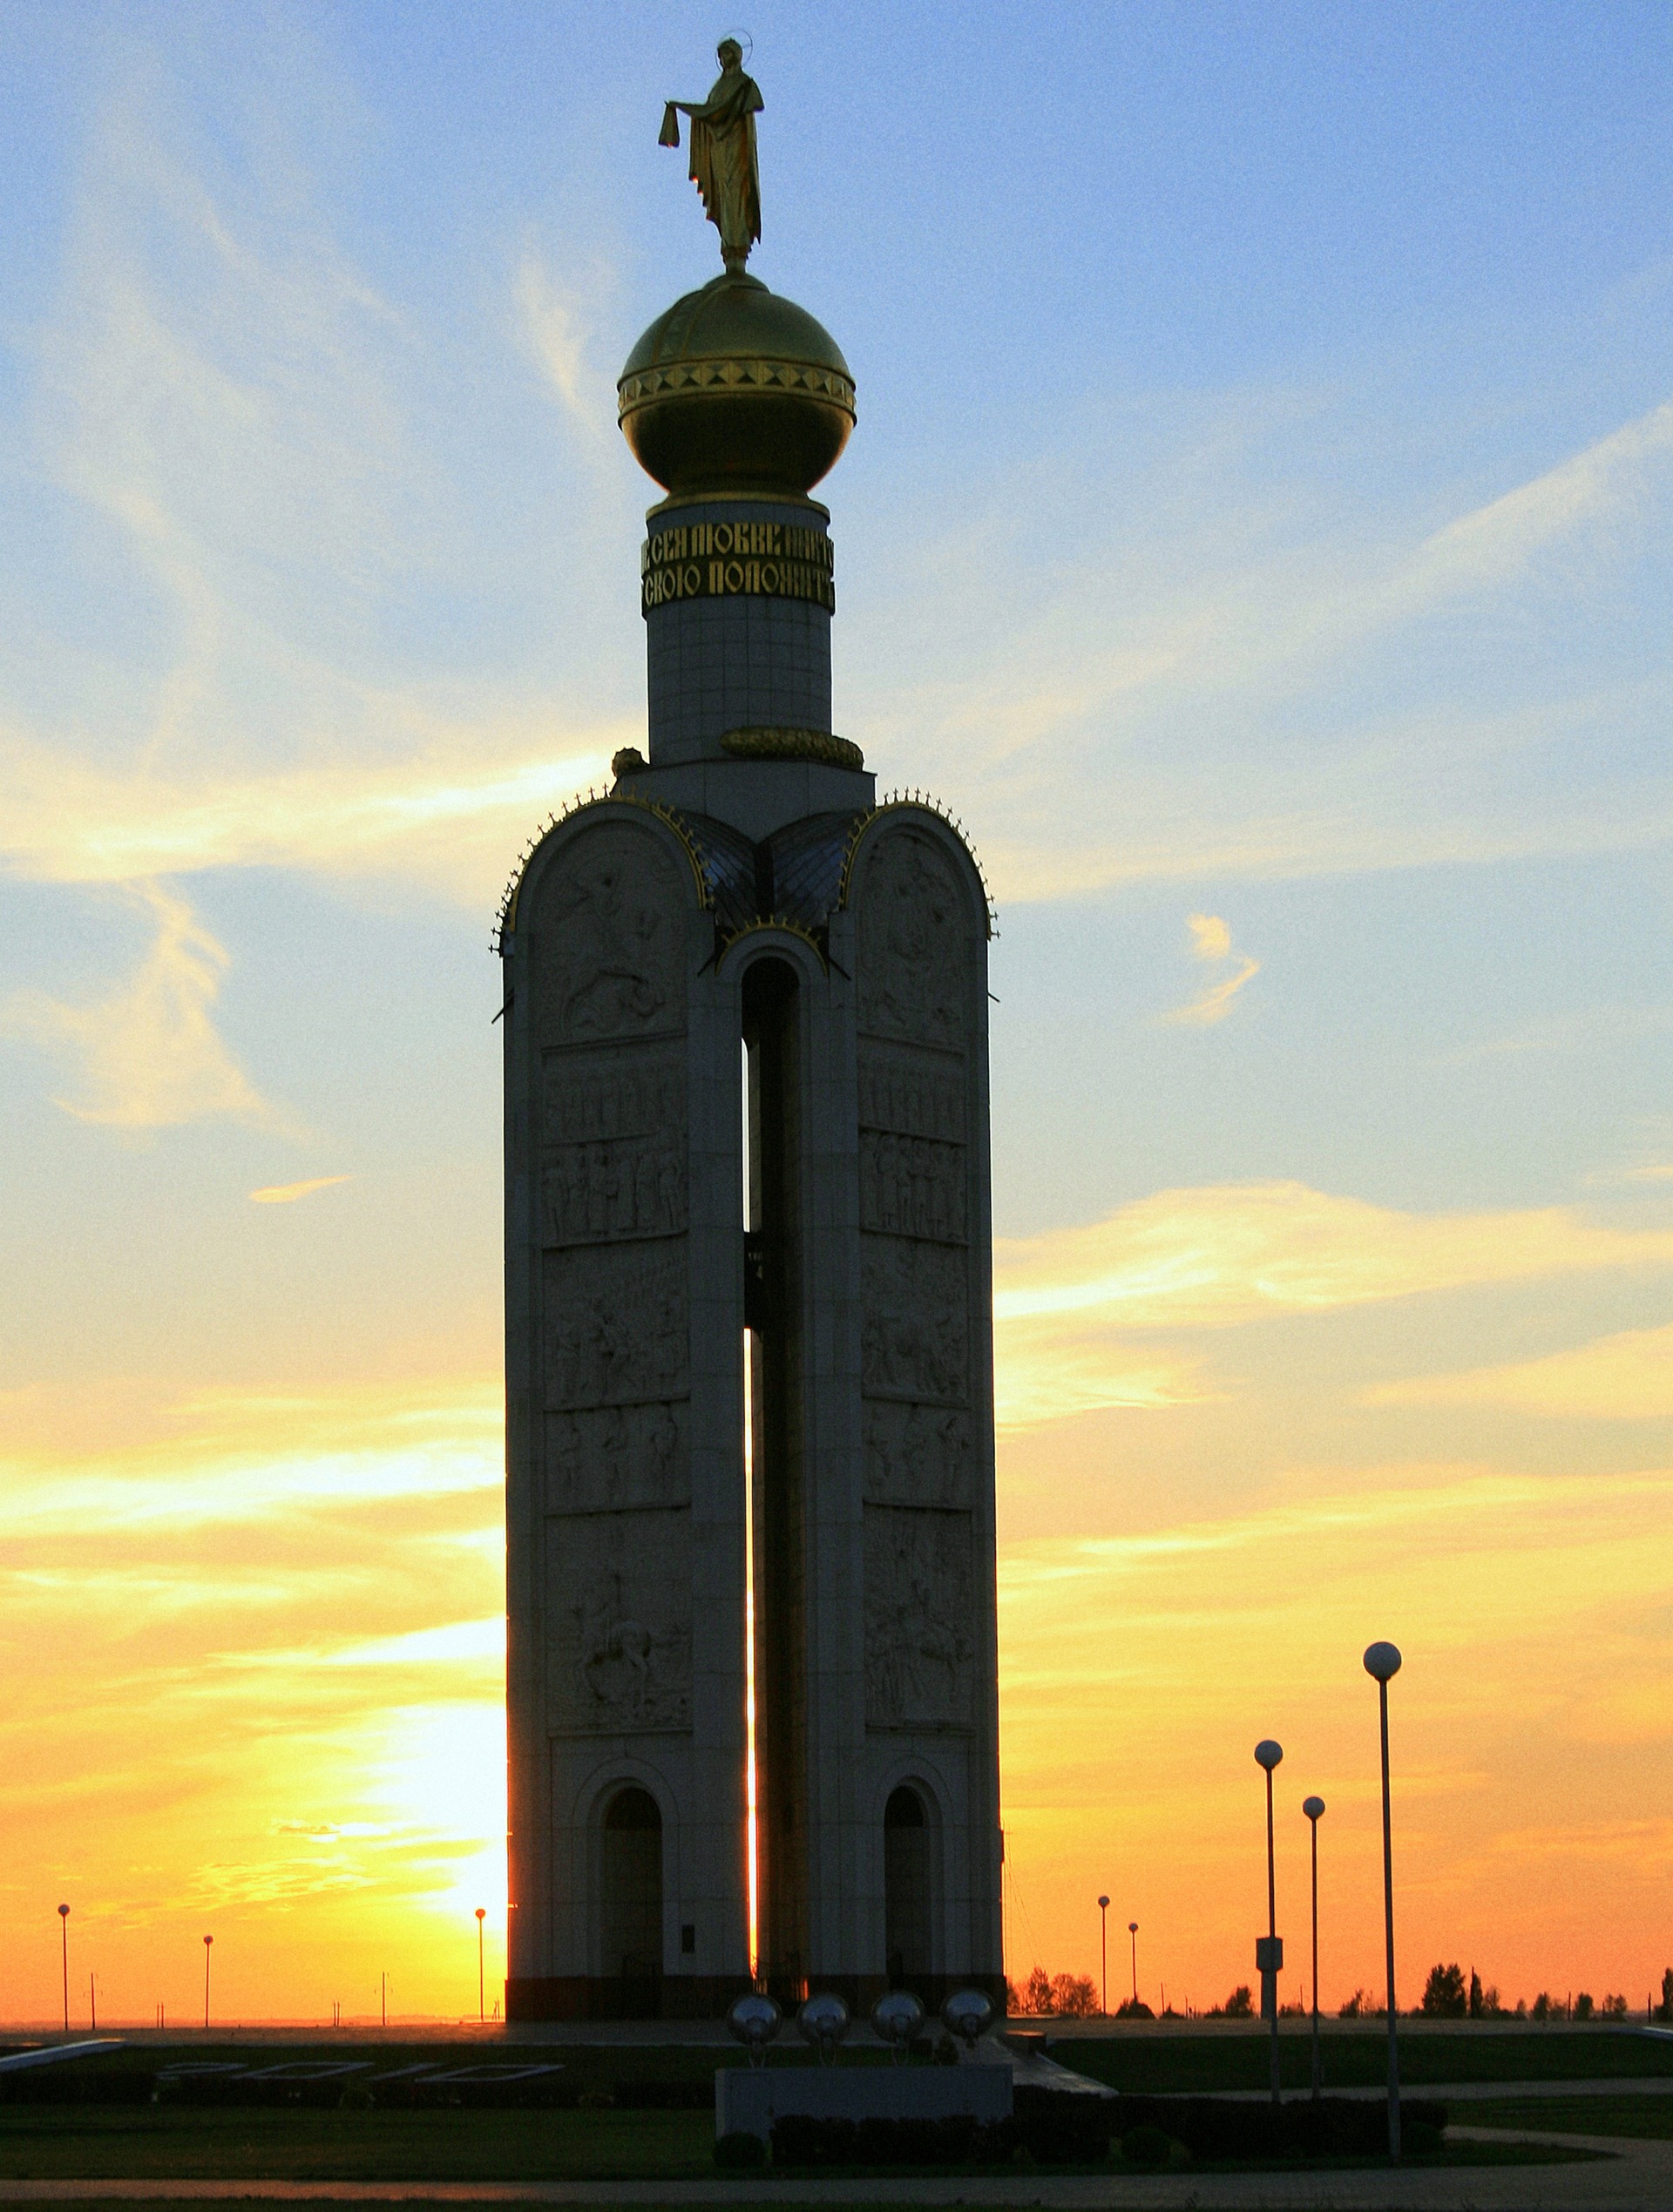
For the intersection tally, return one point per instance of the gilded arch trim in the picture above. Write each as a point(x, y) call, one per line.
point(506, 918)
point(917, 802)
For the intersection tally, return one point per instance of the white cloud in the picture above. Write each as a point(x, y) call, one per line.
point(1211, 942)
point(557, 326)
point(150, 1056)
point(287, 1194)
point(1611, 477)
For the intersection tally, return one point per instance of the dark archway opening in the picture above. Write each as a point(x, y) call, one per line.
point(631, 1901)
point(907, 1890)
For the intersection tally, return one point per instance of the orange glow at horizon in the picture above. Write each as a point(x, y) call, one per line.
point(255, 1641)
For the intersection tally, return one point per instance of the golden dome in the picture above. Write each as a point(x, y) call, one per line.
point(735, 389)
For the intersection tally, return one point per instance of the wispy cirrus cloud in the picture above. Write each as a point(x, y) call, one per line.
point(1233, 676)
point(149, 1056)
point(1073, 1308)
point(287, 1194)
point(1211, 943)
point(1614, 478)
point(1624, 1377)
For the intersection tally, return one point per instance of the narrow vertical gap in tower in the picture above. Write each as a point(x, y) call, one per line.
point(752, 1842)
point(773, 1314)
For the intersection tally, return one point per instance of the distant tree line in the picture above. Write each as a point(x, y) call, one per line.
point(1446, 1996)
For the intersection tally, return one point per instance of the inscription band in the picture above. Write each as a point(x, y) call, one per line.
point(721, 560)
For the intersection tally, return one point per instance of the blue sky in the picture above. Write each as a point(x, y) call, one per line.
point(1256, 530)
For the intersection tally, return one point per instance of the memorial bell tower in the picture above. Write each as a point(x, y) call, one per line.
point(751, 1676)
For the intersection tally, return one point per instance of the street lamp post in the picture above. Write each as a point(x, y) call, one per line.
point(208, 1941)
point(1103, 1955)
point(1314, 1807)
point(1382, 1664)
point(64, 1944)
point(1133, 1935)
point(482, 2000)
point(1269, 1954)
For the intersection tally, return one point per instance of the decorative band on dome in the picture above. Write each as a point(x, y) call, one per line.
point(793, 745)
point(690, 376)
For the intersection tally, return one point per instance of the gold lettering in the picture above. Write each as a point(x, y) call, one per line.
point(723, 538)
point(734, 575)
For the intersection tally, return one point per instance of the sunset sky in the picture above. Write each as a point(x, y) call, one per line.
point(1258, 532)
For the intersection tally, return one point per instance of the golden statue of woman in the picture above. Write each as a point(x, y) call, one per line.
point(723, 165)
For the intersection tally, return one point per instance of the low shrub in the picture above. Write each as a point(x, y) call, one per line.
point(1146, 2146)
point(739, 2149)
point(1228, 2128)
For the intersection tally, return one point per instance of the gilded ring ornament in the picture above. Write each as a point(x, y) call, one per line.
point(793, 745)
point(647, 384)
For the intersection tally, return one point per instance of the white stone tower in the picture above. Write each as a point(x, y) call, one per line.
point(746, 1229)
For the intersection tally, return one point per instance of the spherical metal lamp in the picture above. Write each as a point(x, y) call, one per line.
point(896, 2018)
point(754, 2021)
point(822, 2022)
point(968, 2013)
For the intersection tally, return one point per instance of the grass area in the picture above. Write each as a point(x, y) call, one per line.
point(1642, 2117)
point(82, 2143)
point(88, 2143)
point(1162, 2063)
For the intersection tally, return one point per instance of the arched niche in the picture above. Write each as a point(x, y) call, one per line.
point(910, 1845)
point(630, 1884)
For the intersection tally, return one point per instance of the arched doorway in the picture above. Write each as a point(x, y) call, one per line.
point(631, 1901)
point(907, 1888)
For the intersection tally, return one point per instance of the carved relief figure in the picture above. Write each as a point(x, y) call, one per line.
point(623, 1095)
point(913, 954)
point(635, 1186)
point(614, 1458)
point(610, 920)
point(919, 1615)
point(909, 1092)
point(616, 1327)
point(915, 1342)
point(916, 1455)
point(912, 1185)
point(621, 1660)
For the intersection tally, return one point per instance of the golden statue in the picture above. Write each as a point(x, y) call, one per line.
point(723, 165)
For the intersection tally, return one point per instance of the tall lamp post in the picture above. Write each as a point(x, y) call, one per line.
point(63, 1944)
point(207, 1941)
point(1269, 1952)
point(1103, 1956)
point(1133, 1935)
point(1314, 1809)
point(482, 2000)
point(1382, 1664)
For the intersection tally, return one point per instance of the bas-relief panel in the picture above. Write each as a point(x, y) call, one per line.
point(621, 1092)
point(618, 1458)
point(611, 928)
point(616, 1319)
point(631, 1186)
point(619, 1652)
point(916, 1455)
point(914, 1093)
point(915, 1340)
point(912, 1185)
point(919, 1617)
point(913, 949)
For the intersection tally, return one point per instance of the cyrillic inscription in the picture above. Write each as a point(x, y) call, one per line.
point(715, 560)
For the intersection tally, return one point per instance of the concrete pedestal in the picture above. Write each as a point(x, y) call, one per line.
point(747, 2100)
